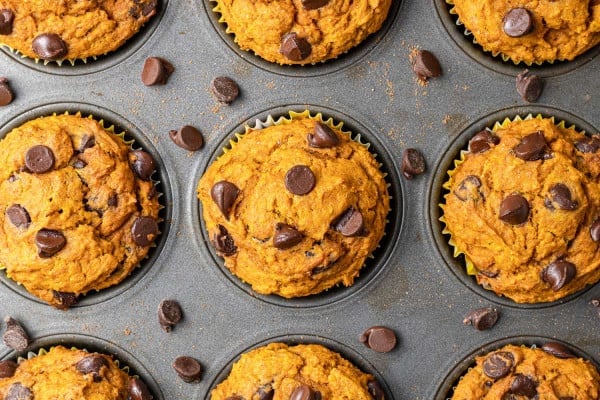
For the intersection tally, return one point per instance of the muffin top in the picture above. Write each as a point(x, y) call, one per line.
point(532, 31)
point(550, 372)
point(301, 31)
point(524, 207)
point(74, 216)
point(283, 372)
point(71, 29)
point(295, 208)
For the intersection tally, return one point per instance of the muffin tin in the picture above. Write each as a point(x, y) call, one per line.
point(412, 284)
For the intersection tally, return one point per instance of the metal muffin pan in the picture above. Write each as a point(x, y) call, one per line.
point(411, 285)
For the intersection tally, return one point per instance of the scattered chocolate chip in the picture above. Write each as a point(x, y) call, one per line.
point(314, 4)
point(523, 385)
point(558, 274)
point(514, 209)
point(375, 390)
point(15, 335)
point(350, 223)
point(294, 48)
point(482, 141)
point(305, 393)
point(532, 147)
point(6, 21)
point(65, 299)
point(558, 350)
point(49, 242)
point(144, 230)
point(18, 392)
point(595, 230)
point(18, 216)
point(517, 22)
point(49, 46)
point(323, 137)
point(498, 365)
point(6, 94)
point(188, 368)
point(413, 163)
point(286, 236)
point(156, 71)
point(300, 180)
point(113, 200)
point(87, 142)
point(223, 242)
point(468, 188)
point(187, 137)
point(138, 390)
point(169, 314)
point(225, 89)
point(529, 86)
point(142, 164)
point(224, 194)
point(588, 144)
point(425, 65)
point(91, 365)
point(265, 393)
point(39, 159)
point(7, 368)
point(379, 338)
point(482, 318)
point(560, 197)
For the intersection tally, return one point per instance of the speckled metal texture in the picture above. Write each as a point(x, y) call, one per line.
point(412, 284)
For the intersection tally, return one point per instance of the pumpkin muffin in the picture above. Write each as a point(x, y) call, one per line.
point(517, 372)
point(305, 371)
point(62, 373)
point(301, 31)
point(78, 210)
point(295, 208)
point(532, 31)
point(71, 29)
point(524, 208)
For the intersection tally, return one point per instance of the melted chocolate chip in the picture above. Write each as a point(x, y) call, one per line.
point(6, 21)
point(425, 65)
point(286, 236)
point(224, 194)
point(49, 46)
point(379, 338)
point(468, 189)
point(169, 314)
point(350, 223)
point(6, 94)
point(498, 365)
point(588, 144)
point(314, 4)
point(144, 230)
point(18, 216)
point(187, 368)
point(223, 242)
point(517, 22)
point(7, 368)
point(523, 385)
point(375, 390)
point(138, 390)
point(323, 137)
point(65, 300)
point(225, 89)
point(514, 209)
point(92, 364)
point(529, 86)
point(558, 274)
point(558, 350)
point(87, 142)
point(49, 242)
point(15, 335)
point(482, 318)
point(413, 163)
point(18, 392)
point(483, 141)
point(39, 159)
point(142, 164)
point(294, 48)
point(156, 71)
point(532, 147)
point(113, 200)
point(560, 197)
point(595, 230)
point(300, 180)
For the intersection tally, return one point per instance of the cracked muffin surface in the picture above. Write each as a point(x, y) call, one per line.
point(71, 29)
point(301, 31)
point(74, 216)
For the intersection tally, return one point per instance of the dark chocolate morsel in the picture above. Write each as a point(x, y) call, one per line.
point(224, 194)
point(498, 365)
point(187, 137)
point(294, 48)
point(532, 147)
point(144, 230)
point(18, 216)
point(558, 274)
point(482, 318)
point(558, 350)
point(304, 392)
point(138, 390)
point(15, 335)
point(425, 65)
point(514, 209)
point(314, 4)
point(482, 141)
point(588, 144)
point(413, 163)
point(379, 338)
point(18, 392)
point(468, 189)
point(300, 180)
point(49, 46)
point(225, 89)
point(323, 137)
point(6, 94)
point(286, 236)
point(350, 223)
point(235, 398)
point(149, 9)
point(39, 159)
point(560, 197)
point(142, 164)
point(517, 22)
point(113, 200)
point(7, 368)
point(529, 86)
point(223, 242)
point(265, 393)
point(595, 230)
point(375, 390)
point(92, 364)
point(169, 314)
point(156, 71)
point(66, 300)
point(6, 21)
point(49, 242)
point(188, 368)
point(523, 385)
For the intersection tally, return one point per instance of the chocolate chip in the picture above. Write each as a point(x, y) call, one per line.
point(149, 9)
point(169, 314)
point(558, 350)
point(286, 236)
point(187, 137)
point(588, 144)
point(468, 188)
point(18, 216)
point(224, 194)
point(113, 200)
point(15, 335)
point(532, 147)
point(138, 390)
point(375, 390)
point(514, 209)
point(18, 392)
point(6, 94)
point(350, 223)
point(7, 368)
point(558, 274)
point(265, 393)
point(529, 86)
point(560, 196)
point(314, 4)
point(77, 163)
point(144, 230)
point(188, 368)
point(156, 71)
point(223, 242)
point(523, 385)
point(225, 89)
point(323, 137)
point(498, 365)
point(482, 318)
point(379, 338)
point(49, 46)
point(49, 242)
point(304, 392)
point(91, 365)
point(413, 163)
point(425, 65)
point(300, 180)
point(65, 299)
point(6, 21)
point(483, 141)
point(39, 159)
point(294, 48)
point(235, 398)
point(517, 22)
point(595, 230)
point(87, 142)
point(142, 164)
point(320, 269)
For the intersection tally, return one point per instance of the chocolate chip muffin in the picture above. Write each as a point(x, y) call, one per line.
point(295, 208)
point(63, 373)
point(78, 210)
point(532, 31)
point(524, 207)
point(305, 371)
point(301, 31)
point(71, 29)
point(517, 372)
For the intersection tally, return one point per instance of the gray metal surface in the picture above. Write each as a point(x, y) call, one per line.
point(412, 285)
